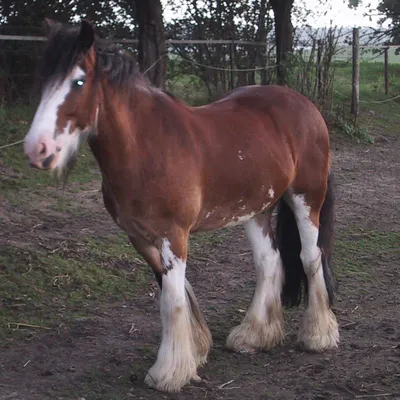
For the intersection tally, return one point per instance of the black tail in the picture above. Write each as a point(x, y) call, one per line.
point(296, 286)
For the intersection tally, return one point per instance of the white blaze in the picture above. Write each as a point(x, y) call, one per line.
point(44, 125)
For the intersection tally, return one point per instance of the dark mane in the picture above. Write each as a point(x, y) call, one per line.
point(63, 51)
point(119, 67)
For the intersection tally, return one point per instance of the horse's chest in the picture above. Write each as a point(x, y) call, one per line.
point(115, 207)
point(130, 218)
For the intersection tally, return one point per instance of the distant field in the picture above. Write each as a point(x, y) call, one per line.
point(370, 55)
point(372, 83)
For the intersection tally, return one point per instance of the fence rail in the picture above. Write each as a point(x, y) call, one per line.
point(196, 41)
point(136, 41)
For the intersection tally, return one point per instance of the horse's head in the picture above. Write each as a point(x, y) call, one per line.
point(68, 106)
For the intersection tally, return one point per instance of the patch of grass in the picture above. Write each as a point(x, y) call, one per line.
point(378, 116)
point(355, 252)
point(372, 85)
point(113, 246)
point(207, 238)
point(377, 111)
point(99, 384)
point(47, 288)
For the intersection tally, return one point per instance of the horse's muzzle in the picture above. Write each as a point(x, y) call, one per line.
point(42, 153)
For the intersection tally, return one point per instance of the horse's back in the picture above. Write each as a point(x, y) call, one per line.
point(273, 115)
point(285, 106)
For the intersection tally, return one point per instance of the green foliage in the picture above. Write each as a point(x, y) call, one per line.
point(18, 59)
point(221, 20)
point(391, 11)
point(352, 131)
point(182, 80)
point(110, 16)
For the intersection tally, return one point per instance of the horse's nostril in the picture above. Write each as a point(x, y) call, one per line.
point(47, 161)
point(58, 149)
point(42, 149)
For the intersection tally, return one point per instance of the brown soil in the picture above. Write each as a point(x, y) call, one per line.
point(106, 355)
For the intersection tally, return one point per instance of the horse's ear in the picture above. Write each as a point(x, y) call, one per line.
point(86, 35)
point(51, 26)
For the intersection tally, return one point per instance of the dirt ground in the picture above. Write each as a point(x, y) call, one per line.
point(106, 354)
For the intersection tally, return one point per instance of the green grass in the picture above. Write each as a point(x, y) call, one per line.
point(372, 84)
point(113, 246)
point(344, 54)
point(98, 385)
point(368, 55)
point(378, 113)
point(47, 288)
point(356, 252)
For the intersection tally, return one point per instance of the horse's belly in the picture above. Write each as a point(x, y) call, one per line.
point(236, 212)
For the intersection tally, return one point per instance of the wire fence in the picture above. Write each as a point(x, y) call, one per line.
point(205, 68)
point(220, 65)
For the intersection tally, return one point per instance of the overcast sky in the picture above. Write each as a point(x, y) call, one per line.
point(341, 15)
point(337, 12)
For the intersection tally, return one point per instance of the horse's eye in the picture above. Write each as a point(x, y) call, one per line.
point(78, 83)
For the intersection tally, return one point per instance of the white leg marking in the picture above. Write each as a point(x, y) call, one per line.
point(319, 329)
point(262, 327)
point(176, 363)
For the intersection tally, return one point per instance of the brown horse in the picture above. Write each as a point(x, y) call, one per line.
point(169, 170)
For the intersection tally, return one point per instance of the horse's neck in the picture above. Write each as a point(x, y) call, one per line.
point(113, 144)
point(116, 144)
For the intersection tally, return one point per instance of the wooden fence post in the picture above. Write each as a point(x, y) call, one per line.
point(386, 70)
point(319, 67)
point(231, 53)
point(355, 98)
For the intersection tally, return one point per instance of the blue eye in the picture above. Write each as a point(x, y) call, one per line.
point(78, 83)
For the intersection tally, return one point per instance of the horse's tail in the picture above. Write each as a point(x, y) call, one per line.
point(288, 239)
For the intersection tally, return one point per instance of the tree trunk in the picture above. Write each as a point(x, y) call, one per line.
point(283, 35)
point(152, 55)
point(261, 36)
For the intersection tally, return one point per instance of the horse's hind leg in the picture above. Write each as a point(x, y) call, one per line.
point(319, 328)
point(262, 327)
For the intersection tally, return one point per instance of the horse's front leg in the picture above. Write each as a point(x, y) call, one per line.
point(185, 337)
